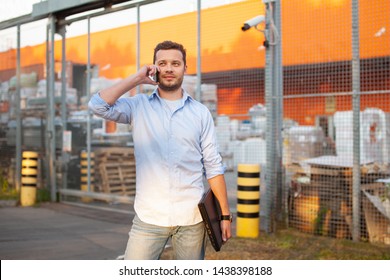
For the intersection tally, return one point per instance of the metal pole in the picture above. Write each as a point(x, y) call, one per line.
point(278, 82)
point(64, 155)
point(18, 116)
point(89, 112)
point(356, 121)
point(274, 113)
point(51, 114)
point(269, 135)
point(63, 78)
point(199, 56)
point(46, 140)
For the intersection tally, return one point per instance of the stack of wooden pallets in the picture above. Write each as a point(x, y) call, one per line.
point(321, 195)
point(116, 170)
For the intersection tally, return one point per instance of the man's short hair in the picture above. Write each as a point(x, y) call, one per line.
point(169, 45)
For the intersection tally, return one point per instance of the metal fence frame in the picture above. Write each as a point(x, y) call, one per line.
point(274, 209)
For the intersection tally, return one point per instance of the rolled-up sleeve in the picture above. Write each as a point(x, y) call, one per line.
point(120, 112)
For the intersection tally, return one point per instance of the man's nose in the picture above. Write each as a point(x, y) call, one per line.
point(169, 67)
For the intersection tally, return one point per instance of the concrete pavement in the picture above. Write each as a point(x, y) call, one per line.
point(65, 231)
point(57, 231)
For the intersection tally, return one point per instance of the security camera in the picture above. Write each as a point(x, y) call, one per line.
point(253, 22)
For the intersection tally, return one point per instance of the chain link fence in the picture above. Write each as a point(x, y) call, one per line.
point(305, 119)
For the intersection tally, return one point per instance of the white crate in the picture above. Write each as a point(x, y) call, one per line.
point(374, 135)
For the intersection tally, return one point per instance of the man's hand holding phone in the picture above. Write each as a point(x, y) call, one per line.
point(153, 74)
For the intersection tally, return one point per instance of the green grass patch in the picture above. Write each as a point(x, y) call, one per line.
point(6, 191)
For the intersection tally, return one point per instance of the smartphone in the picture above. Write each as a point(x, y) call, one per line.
point(154, 77)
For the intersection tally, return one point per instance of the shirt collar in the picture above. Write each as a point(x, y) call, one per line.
point(184, 98)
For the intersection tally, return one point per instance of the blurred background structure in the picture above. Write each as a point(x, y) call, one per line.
point(304, 93)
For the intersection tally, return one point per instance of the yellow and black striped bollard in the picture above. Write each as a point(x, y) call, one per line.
point(84, 174)
point(248, 200)
point(28, 191)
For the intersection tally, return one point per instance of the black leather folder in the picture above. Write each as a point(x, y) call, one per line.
point(211, 211)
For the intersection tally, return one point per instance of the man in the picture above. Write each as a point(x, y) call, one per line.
point(174, 146)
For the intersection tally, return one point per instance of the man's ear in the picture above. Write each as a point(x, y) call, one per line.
point(185, 69)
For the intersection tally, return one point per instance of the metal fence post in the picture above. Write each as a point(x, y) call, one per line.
point(50, 105)
point(89, 115)
point(18, 155)
point(274, 107)
point(356, 121)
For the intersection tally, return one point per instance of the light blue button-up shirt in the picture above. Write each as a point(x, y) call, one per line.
point(173, 150)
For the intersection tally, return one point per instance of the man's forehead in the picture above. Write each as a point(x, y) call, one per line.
point(169, 55)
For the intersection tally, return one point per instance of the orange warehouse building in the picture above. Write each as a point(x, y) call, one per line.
point(316, 43)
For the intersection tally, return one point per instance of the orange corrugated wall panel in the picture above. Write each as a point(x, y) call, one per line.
point(317, 37)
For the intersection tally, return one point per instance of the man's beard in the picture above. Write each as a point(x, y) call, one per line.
point(172, 87)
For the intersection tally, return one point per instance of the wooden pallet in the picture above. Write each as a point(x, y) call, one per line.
point(116, 170)
point(114, 154)
point(338, 177)
point(118, 178)
point(330, 187)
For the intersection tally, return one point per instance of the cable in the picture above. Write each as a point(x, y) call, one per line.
point(274, 33)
